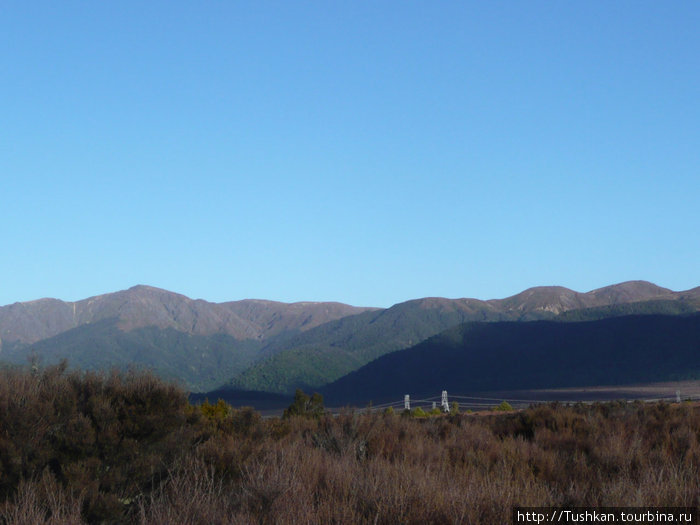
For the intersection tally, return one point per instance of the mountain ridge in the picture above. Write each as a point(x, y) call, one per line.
point(236, 317)
point(257, 344)
point(142, 305)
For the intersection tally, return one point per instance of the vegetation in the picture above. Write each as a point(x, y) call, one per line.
point(200, 362)
point(276, 347)
point(326, 353)
point(128, 448)
point(419, 412)
point(305, 406)
point(201, 344)
point(525, 355)
point(504, 406)
point(653, 307)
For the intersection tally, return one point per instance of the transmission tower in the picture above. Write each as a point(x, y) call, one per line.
point(443, 403)
point(406, 402)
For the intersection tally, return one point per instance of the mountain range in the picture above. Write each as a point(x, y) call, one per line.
point(277, 347)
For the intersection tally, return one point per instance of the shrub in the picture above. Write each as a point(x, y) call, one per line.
point(503, 407)
point(419, 412)
point(216, 412)
point(120, 448)
point(105, 438)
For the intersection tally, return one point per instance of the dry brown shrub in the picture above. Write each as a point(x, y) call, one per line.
point(42, 501)
point(124, 449)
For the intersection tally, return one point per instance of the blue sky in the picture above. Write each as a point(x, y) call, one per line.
point(363, 152)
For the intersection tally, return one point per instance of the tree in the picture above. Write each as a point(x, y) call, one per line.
point(305, 406)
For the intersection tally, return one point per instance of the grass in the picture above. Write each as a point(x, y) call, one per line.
point(129, 448)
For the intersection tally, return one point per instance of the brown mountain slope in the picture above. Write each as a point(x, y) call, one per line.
point(557, 299)
point(270, 318)
point(629, 292)
point(146, 306)
point(35, 320)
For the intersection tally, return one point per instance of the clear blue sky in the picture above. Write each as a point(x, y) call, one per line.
point(364, 152)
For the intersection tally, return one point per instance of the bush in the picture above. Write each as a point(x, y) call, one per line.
point(106, 438)
point(503, 407)
point(419, 412)
point(216, 412)
point(128, 448)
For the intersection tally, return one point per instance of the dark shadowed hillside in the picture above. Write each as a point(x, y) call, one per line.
point(682, 306)
point(326, 353)
point(501, 356)
point(329, 351)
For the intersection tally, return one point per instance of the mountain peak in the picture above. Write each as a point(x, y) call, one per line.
point(630, 291)
point(146, 288)
point(143, 289)
point(553, 299)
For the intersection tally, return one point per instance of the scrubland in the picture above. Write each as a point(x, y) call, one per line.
point(129, 448)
